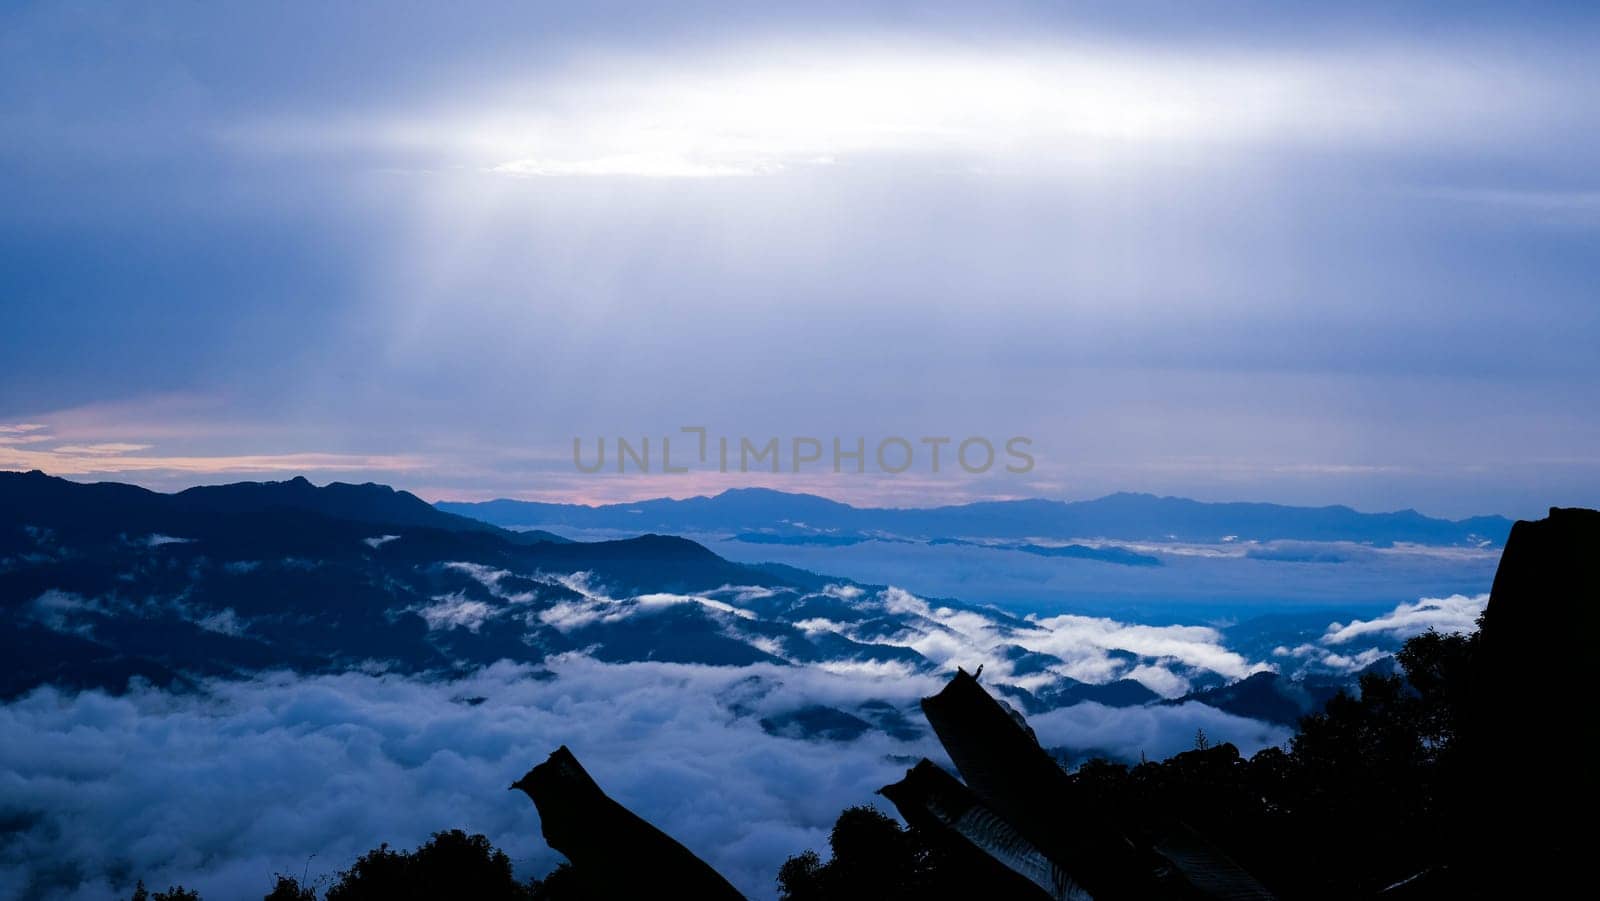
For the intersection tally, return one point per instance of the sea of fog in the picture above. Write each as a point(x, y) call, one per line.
point(224, 785)
point(1193, 583)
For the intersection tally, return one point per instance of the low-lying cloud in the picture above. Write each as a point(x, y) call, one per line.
point(1090, 649)
point(221, 788)
point(1353, 646)
point(1124, 733)
point(1457, 613)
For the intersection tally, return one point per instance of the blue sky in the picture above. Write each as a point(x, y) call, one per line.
point(1250, 251)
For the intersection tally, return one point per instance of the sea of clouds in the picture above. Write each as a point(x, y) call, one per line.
point(1193, 582)
point(223, 787)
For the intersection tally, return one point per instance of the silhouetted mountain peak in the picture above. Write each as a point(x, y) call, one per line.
point(368, 502)
point(765, 500)
point(1268, 696)
point(48, 500)
point(757, 491)
point(656, 545)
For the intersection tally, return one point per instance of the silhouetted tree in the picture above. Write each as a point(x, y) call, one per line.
point(288, 888)
point(560, 884)
point(800, 878)
point(173, 893)
point(872, 856)
point(450, 865)
point(1376, 788)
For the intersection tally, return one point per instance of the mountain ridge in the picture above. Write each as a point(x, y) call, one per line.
point(48, 498)
point(1122, 515)
point(103, 583)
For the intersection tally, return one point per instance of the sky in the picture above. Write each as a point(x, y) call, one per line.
point(1253, 251)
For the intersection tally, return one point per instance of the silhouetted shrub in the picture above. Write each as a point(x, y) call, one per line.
point(289, 888)
point(450, 865)
point(872, 856)
point(173, 893)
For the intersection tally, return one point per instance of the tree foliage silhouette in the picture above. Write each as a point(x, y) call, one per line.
point(872, 856)
point(288, 888)
point(1371, 791)
point(452, 864)
point(173, 893)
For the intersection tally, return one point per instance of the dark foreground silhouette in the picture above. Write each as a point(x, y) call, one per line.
point(614, 853)
point(1449, 781)
point(1470, 774)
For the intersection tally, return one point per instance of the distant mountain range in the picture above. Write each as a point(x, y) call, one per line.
point(789, 536)
point(44, 500)
point(785, 516)
point(103, 583)
point(100, 582)
point(1271, 697)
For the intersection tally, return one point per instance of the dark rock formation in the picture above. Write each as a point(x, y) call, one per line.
point(1002, 763)
point(614, 853)
point(1025, 813)
point(976, 839)
point(1533, 690)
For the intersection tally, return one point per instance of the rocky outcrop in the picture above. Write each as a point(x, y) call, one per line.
point(977, 839)
point(1021, 810)
point(614, 852)
point(1534, 692)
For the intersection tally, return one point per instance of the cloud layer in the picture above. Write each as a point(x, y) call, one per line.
point(221, 788)
point(1457, 613)
point(766, 106)
point(25, 446)
point(1348, 647)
